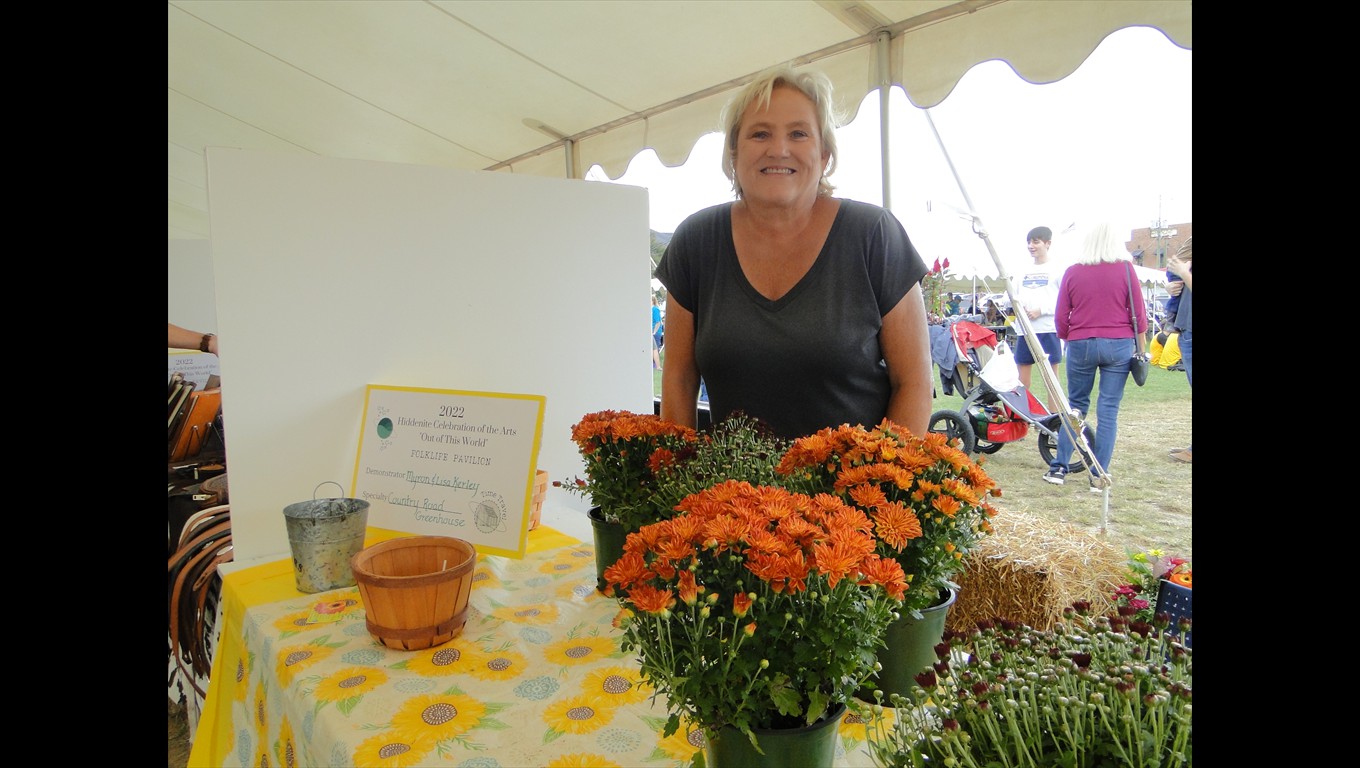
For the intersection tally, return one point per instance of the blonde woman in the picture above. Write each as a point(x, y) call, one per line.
point(799, 308)
point(1093, 317)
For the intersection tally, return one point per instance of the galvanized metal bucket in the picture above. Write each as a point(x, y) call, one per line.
point(325, 534)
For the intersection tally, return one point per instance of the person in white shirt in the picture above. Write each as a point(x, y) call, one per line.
point(1038, 294)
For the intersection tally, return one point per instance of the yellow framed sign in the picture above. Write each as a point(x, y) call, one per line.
point(447, 462)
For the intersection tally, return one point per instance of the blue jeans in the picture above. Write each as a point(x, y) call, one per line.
point(1186, 357)
point(1084, 358)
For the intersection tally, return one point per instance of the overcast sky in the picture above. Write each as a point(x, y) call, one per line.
point(1111, 140)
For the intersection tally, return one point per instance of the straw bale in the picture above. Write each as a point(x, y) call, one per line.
point(1031, 569)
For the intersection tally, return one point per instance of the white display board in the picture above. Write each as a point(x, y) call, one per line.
point(332, 275)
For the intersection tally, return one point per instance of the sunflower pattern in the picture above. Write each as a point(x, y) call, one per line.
point(679, 746)
point(285, 748)
point(240, 667)
point(347, 686)
point(569, 560)
point(540, 613)
point(536, 677)
point(854, 724)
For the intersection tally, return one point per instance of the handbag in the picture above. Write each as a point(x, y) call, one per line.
point(1138, 364)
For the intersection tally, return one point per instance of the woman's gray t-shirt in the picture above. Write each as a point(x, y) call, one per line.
point(811, 359)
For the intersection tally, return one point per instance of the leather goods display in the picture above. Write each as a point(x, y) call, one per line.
point(178, 403)
point(189, 433)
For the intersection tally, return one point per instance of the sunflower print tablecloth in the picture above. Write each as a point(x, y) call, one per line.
point(536, 678)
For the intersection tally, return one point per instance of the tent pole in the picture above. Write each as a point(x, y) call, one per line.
point(1071, 419)
point(884, 92)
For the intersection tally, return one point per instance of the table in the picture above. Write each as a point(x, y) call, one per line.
point(536, 678)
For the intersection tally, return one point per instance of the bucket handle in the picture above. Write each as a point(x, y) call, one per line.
point(329, 482)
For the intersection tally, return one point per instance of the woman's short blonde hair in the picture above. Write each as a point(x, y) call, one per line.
point(1101, 245)
point(814, 85)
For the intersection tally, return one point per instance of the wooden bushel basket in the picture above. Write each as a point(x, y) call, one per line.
point(415, 589)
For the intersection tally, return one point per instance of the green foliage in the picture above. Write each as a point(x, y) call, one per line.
point(737, 448)
point(1093, 692)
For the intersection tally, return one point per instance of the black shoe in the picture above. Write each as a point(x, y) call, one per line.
point(1055, 475)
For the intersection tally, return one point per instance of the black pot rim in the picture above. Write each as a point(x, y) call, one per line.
point(952, 597)
point(596, 515)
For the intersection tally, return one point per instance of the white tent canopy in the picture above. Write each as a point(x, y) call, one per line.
point(1150, 276)
point(552, 88)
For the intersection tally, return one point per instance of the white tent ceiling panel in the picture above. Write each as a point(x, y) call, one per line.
point(285, 95)
point(192, 195)
point(187, 222)
point(1042, 40)
point(185, 169)
point(462, 83)
point(599, 45)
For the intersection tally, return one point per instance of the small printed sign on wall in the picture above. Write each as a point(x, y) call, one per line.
point(446, 462)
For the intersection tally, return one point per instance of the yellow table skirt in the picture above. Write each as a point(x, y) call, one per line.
point(536, 678)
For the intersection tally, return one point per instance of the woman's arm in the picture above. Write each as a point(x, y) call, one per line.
point(183, 338)
point(905, 340)
point(680, 376)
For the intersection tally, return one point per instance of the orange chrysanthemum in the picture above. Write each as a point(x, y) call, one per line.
point(837, 561)
point(946, 504)
point(649, 599)
point(896, 524)
point(689, 591)
point(741, 604)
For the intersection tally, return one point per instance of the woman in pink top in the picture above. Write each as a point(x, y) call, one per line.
point(1093, 318)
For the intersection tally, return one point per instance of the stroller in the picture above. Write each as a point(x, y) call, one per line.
point(996, 408)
